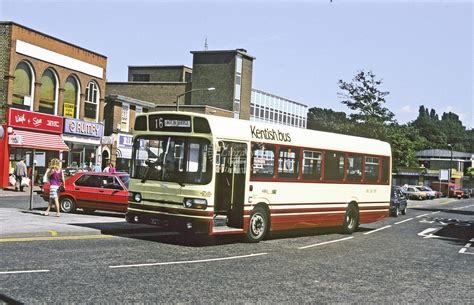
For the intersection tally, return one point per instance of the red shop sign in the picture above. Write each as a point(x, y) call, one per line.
point(35, 120)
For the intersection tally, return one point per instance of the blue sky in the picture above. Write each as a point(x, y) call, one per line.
point(423, 50)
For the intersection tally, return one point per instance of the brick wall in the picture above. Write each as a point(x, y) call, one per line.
point(160, 73)
point(158, 93)
point(5, 41)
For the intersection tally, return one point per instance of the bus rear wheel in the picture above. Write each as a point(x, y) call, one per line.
point(351, 219)
point(258, 225)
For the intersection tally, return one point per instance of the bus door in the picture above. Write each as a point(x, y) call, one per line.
point(230, 182)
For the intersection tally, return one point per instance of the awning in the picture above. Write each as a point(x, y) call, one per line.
point(38, 140)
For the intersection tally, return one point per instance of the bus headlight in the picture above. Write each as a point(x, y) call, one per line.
point(196, 203)
point(135, 197)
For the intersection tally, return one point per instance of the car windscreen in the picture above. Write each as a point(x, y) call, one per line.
point(125, 180)
point(173, 159)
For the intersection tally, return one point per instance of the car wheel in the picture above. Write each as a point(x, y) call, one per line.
point(258, 225)
point(397, 212)
point(351, 219)
point(67, 205)
point(404, 211)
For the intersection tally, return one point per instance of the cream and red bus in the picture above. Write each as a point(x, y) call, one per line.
point(219, 175)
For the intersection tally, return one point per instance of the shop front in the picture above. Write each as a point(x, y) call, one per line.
point(124, 152)
point(33, 136)
point(83, 139)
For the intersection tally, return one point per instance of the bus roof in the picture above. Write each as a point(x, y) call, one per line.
point(236, 129)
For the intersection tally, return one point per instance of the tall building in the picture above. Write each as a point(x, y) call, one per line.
point(51, 99)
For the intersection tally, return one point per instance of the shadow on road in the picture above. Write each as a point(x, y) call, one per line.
point(450, 211)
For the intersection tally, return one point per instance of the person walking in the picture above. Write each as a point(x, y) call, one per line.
point(111, 168)
point(56, 177)
point(20, 172)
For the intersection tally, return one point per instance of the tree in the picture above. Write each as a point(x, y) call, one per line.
point(363, 96)
point(329, 120)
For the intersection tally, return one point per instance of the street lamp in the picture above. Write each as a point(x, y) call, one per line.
point(189, 91)
point(451, 163)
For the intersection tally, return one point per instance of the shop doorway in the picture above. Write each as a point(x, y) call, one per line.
point(105, 158)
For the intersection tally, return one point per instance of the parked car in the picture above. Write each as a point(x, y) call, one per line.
point(92, 191)
point(455, 193)
point(398, 202)
point(430, 194)
point(436, 194)
point(411, 192)
point(466, 193)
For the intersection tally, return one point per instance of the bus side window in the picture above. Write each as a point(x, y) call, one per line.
point(311, 165)
point(371, 169)
point(263, 160)
point(354, 168)
point(385, 170)
point(333, 166)
point(288, 162)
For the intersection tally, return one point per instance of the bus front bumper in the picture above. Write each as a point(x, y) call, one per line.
point(179, 224)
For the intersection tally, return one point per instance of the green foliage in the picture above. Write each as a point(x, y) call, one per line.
point(363, 96)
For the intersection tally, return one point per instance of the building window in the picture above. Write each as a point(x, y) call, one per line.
point(140, 77)
point(92, 101)
point(22, 87)
point(124, 117)
point(48, 95)
point(71, 98)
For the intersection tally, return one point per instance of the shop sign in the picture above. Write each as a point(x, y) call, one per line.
point(125, 140)
point(68, 110)
point(15, 140)
point(34, 120)
point(83, 128)
point(107, 140)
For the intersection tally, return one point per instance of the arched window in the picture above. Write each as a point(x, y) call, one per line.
point(23, 87)
point(71, 99)
point(48, 94)
point(92, 101)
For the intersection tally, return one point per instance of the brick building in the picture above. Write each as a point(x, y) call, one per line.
point(52, 97)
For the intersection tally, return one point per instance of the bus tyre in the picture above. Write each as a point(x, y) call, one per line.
point(351, 219)
point(67, 205)
point(258, 225)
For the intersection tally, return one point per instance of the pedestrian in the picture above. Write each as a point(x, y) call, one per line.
point(97, 167)
point(107, 168)
point(111, 168)
point(20, 172)
point(56, 178)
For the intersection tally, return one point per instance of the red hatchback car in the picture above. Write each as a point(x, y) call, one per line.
point(93, 191)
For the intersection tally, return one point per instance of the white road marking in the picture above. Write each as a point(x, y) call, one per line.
point(326, 242)
point(188, 262)
point(23, 271)
point(379, 229)
point(436, 212)
point(463, 250)
point(397, 223)
point(427, 233)
point(422, 215)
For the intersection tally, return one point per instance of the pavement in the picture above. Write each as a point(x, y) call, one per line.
point(17, 220)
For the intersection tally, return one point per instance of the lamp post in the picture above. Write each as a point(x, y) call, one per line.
point(451, 163)
point(189, 91)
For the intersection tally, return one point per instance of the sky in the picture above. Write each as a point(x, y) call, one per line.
point(422, 50)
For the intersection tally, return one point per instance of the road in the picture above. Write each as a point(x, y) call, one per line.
point(423, 257)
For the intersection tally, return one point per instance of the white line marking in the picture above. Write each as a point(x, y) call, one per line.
point(24, 271)
point(188, 262)
point(436, 212)
point(397, 223)
point(379, 229)
point(462, 250)
point(422, 215)
point(326, 242)
point(427, 232)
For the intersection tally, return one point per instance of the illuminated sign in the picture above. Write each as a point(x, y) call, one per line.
point(170, 122)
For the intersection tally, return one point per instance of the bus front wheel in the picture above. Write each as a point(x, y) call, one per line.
point(258, 225)
point(351, 219)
